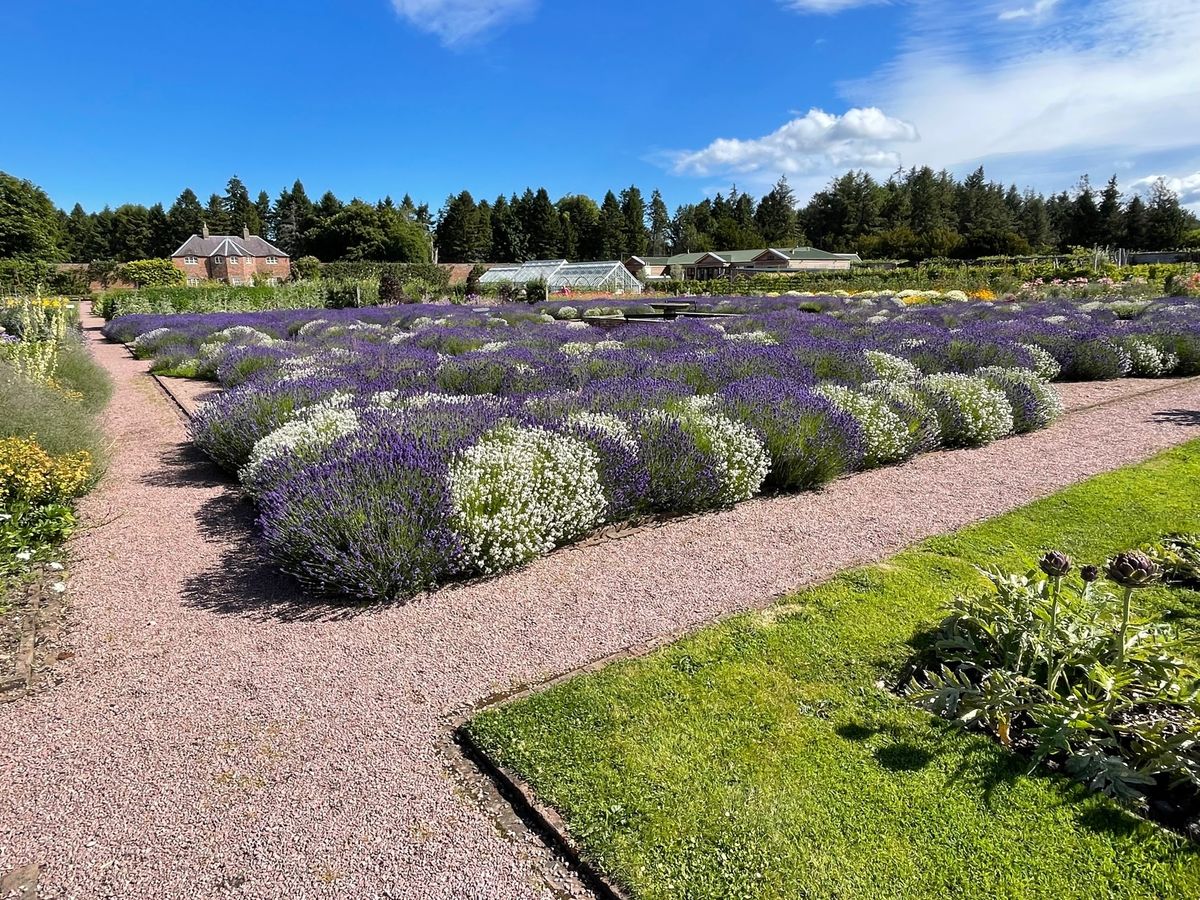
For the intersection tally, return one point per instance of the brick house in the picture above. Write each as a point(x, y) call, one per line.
point(234, 260)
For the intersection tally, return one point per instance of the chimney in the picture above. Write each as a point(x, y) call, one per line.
point(245, 232)
point(204, 229)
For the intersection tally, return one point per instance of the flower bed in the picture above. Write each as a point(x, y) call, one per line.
point(391, 449)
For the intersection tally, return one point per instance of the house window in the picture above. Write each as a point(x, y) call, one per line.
point(235, 280)
point(193, 281)
point(235, 260)
point(218, 259)
point(271, 260)
point(272, 281)
point(190, 260)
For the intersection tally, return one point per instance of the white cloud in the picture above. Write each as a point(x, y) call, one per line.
point(818, 140)
point(1186, 186)
point(1108, 80)
point(460, 21)
point(1108, 86)
point(1036, 11)
point(826, 6)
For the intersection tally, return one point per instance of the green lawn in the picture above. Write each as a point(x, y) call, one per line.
point(759, 758)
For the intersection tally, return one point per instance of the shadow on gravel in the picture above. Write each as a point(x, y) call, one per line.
point(243, 583)
point(185, 465)
point(1187, 418)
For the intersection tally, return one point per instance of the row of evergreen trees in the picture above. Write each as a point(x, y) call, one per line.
point(916, 214)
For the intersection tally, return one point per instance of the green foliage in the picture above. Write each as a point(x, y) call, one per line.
point(477, 271)
point(24, 276)
point(363, 231)
point(1056, 667)
point(28, 536)
point(61, 424)
point(1002, 276)
point(77, 370)
point(150, 273)
point(218, 297)
point(761, 758)
point(344, 294)
point(391, 290)
point(536, 291)
point(435, 276)
point(306, 268)
point(464, 230)
point(1179, 557)
point(29, 222)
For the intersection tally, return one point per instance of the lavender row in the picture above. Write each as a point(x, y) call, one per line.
point(391, 450)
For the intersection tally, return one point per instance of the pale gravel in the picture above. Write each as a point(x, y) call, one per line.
point(221, 737)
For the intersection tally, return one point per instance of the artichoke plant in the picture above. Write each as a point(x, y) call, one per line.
point(1056, 564)
point(1133, 569)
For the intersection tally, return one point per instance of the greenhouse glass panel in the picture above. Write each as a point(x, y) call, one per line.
point(539, 269)
point(498, 274)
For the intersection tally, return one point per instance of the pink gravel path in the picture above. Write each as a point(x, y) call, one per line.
point(221, 737)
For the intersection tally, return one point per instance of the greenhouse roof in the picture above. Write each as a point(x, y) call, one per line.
point(558, 273)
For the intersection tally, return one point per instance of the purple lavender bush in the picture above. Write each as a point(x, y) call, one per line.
point(366, 523)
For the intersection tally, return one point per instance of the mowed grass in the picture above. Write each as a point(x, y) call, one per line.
point(766, 757)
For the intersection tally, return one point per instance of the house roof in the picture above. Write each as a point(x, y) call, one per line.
point(227, 245)
point(685, 259)
point(724, 256)
point(814, 253)
point(742, 257)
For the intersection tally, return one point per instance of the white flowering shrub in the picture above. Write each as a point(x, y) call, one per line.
point(759, 337)
point(889, 367)
point(143, 342)
point(566, 313)
point(1148, 361)
point(311, 429)
point(312, 326)
point(741, 460)
point(213, 350)
point(888, 437)
point(970, 411)
point(520, 492)
point(1035, 403)
point(607, 424)
point(914, 409)
point(1047, 367)
point(582, 349)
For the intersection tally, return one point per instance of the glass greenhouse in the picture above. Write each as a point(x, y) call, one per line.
point(559, 274)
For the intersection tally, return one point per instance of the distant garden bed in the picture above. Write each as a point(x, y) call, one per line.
point(476, 441)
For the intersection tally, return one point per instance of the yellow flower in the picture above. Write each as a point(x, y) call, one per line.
point(29, 474)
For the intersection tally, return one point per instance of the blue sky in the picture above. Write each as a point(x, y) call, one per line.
point(133, 101)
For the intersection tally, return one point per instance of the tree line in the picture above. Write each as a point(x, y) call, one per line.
point(915, 214)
